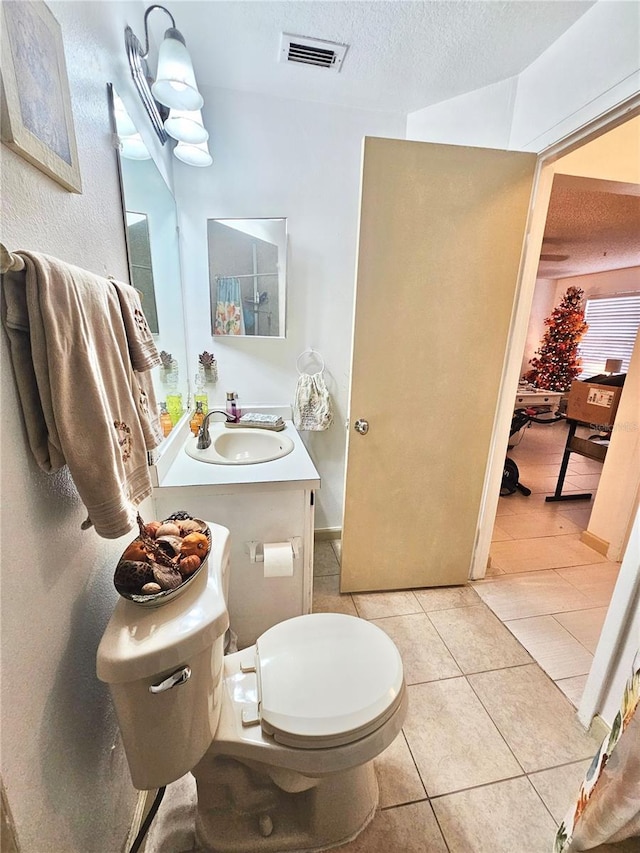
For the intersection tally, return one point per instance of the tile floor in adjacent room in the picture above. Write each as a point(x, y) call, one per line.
point(550, 589)
point(479, 766)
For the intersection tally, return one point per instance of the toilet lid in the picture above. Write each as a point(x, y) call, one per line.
point(326, 679)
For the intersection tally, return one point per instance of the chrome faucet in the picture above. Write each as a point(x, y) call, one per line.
point(204, 439)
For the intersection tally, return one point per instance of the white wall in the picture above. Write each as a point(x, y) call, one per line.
point(588, 70)
point(68, 790)
point(479, 118)
point(544, 297)
point(592, 67)
point(601, 283)
point(275, 157)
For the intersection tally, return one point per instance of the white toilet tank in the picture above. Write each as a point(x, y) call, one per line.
point(164, 668)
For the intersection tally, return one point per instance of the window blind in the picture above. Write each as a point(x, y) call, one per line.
point(613, 325)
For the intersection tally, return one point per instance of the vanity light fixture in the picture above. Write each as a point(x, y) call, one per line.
point(186, 126)
point(130, 142)
point(174, 88)
point(124, 122)
point(193, 155)
point(133, 147)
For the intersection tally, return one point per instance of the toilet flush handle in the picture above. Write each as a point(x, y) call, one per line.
point(176, 678)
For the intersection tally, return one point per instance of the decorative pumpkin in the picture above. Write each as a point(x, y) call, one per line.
point(136, 551)
point(188, 565)
point(195, 543)
point(151, 529)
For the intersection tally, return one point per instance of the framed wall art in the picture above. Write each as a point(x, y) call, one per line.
point(36, 120)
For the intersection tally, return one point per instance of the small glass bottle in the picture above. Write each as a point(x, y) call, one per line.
point(232, 408)
point(200, 395)
point(175, 407)
point(173, 396)
point(196, 420)
point(165, 420)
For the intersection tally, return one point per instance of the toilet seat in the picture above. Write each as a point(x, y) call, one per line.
point(326, 679)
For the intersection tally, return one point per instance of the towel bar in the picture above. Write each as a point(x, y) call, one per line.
point(9, 262)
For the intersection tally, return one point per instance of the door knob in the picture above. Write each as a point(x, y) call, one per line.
point(362, 426)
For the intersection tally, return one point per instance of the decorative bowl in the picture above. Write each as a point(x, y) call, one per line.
point(155, 599)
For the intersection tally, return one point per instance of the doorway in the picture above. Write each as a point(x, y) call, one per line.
point(545, 584)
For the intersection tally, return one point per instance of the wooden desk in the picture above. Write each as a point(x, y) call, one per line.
point(537, 397)
point(583, 447)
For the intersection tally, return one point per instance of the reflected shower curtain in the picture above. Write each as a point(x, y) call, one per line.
point(229, 319)
point(608, 806)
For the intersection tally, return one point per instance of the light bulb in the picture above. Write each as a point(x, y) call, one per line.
point(175, 85)
point(186, 126)
point(193, 155)
point(124, 124)
point(133, 148)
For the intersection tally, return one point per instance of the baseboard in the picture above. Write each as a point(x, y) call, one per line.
point(322, 534)
point(595, 542)
point(142, 809)
point(598, 728)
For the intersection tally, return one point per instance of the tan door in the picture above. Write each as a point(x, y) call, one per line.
point(441, 235)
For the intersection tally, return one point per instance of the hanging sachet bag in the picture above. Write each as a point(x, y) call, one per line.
point(312, 406)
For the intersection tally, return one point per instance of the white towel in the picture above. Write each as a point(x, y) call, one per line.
point(312, 405)
point(77, 387)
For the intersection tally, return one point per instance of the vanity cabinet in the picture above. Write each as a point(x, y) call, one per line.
point(270, 502)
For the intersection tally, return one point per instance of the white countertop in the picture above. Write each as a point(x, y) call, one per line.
point(295, 470)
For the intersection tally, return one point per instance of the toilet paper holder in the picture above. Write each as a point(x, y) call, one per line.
point(256, 549)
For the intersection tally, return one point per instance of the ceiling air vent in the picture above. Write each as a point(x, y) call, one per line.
point(310, 51)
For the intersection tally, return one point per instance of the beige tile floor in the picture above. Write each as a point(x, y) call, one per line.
point(479, 767)
point(549, 588)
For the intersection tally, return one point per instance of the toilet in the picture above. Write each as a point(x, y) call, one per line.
point(280, 736)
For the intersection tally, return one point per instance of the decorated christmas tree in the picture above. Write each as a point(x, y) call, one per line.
point(556, 363)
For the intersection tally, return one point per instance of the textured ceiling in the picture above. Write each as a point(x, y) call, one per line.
point(402, 56)
point(597, 230)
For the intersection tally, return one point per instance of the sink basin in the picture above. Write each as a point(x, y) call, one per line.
point(241, 446)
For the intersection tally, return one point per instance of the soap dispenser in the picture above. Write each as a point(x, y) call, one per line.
point(232, 408)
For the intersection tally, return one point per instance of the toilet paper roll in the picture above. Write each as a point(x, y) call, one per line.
point(278, 560)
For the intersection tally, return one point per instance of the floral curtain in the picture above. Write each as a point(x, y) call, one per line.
point(229, 319)
point(608, 806)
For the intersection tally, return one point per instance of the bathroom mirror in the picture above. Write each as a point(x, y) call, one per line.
point(247, 276)
point(151, 230)
point(141, 265)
